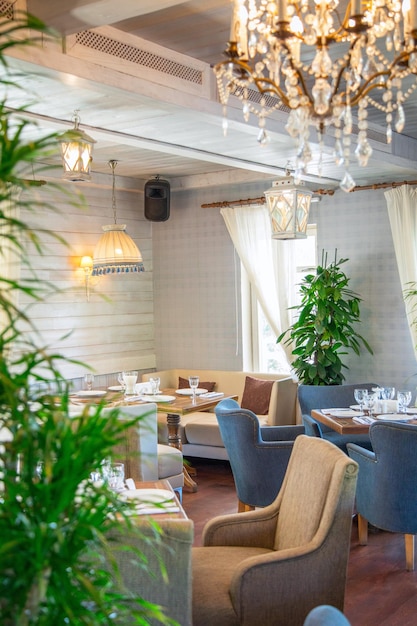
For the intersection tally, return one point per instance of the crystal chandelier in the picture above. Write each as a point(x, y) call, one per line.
point(322, 59)
point(115, 251)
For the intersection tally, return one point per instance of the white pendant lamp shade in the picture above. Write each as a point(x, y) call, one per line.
point(116, 252)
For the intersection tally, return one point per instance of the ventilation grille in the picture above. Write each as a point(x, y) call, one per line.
point(130, 53)
point(6, 9)
point(255, 96)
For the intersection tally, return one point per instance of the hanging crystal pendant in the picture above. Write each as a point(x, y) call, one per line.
point(363, 151)
point(338, 153)
point(347, 183)
point(263, 137)
point(321, 93)
point(400, 119)
point(389, 133)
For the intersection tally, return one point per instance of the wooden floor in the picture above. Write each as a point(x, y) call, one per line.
point(380, 592)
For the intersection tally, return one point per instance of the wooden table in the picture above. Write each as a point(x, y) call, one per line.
point(344, 425)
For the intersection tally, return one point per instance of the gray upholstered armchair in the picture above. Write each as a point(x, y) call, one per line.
point(387, 484)
point(274, 565)
point(258, 456)
point(326, 397)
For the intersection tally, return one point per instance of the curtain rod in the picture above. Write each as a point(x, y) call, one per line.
point(322, 192)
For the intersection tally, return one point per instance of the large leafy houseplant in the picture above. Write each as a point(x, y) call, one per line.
point(56, 562)
point(325, 325)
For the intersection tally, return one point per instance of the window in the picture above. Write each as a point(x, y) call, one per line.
point(260, 350)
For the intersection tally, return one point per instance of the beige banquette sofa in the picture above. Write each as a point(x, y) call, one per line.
point(199, 431)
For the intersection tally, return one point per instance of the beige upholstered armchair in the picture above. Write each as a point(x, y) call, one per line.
point(271, 566)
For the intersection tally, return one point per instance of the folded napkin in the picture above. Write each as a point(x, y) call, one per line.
point(149, 509)
point(211, 394)
point(363, 419)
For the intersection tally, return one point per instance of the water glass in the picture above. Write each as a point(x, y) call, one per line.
point(194, 381)
point(130, 379)
point(370, 400)
point(115, 476)
point(155, 382)
point(404, 399)
point(89, 381)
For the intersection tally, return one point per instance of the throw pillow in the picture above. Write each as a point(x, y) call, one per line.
point(184, 384)
point(256, 395)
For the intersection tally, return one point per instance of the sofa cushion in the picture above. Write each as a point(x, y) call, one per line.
point(184, 384)
point(256, 395)
point(203, 428)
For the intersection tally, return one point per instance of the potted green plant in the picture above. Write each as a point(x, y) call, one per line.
point(324, 328)
point(56, 566)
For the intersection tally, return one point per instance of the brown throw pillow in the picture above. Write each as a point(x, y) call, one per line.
point(184, 384)
point(256, 395)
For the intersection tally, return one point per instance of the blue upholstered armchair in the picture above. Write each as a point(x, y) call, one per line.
point(258, 456)
point(326, 397)
point(387, 483)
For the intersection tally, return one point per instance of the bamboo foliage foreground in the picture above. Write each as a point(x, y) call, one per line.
point(56, 566)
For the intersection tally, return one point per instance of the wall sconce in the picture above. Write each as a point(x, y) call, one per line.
point(86, 265)
point(76, 152)
point(289, 207)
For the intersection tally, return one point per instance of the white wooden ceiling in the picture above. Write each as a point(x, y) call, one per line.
point(156, 123)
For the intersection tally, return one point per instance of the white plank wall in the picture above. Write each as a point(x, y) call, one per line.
point(114, 330)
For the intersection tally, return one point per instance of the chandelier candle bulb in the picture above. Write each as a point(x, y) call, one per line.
point(356, 6)
point(282, 10)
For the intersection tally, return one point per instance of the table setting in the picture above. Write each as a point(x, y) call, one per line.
point(379, 404)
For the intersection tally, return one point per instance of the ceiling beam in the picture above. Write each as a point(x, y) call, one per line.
point(71, 16)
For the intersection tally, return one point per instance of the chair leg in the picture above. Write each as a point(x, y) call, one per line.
point(362, 530)
point(242, 507)
point(409, 552)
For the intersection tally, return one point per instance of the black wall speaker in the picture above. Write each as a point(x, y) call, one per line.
point(157, 200)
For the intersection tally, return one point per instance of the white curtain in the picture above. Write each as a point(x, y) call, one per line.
point(267, 262)
point(402, 212)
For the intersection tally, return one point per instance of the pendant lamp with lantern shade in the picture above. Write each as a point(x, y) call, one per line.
point(115, 251)
point(76, 152)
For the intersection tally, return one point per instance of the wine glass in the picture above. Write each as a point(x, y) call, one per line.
point(121, 381)
point(155, 382)
point(404, 399)
point(193, 381)
point(388, 393)
point(360, 397)
point(370, 400)
point(89, 381)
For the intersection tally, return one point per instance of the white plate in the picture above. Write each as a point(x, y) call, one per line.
point(91, 393)
point(159, 398)
point(394, 417)
point(189, 392)
point(150, 496)
point(115, 388)
point(412, 411)
point(344, 413)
